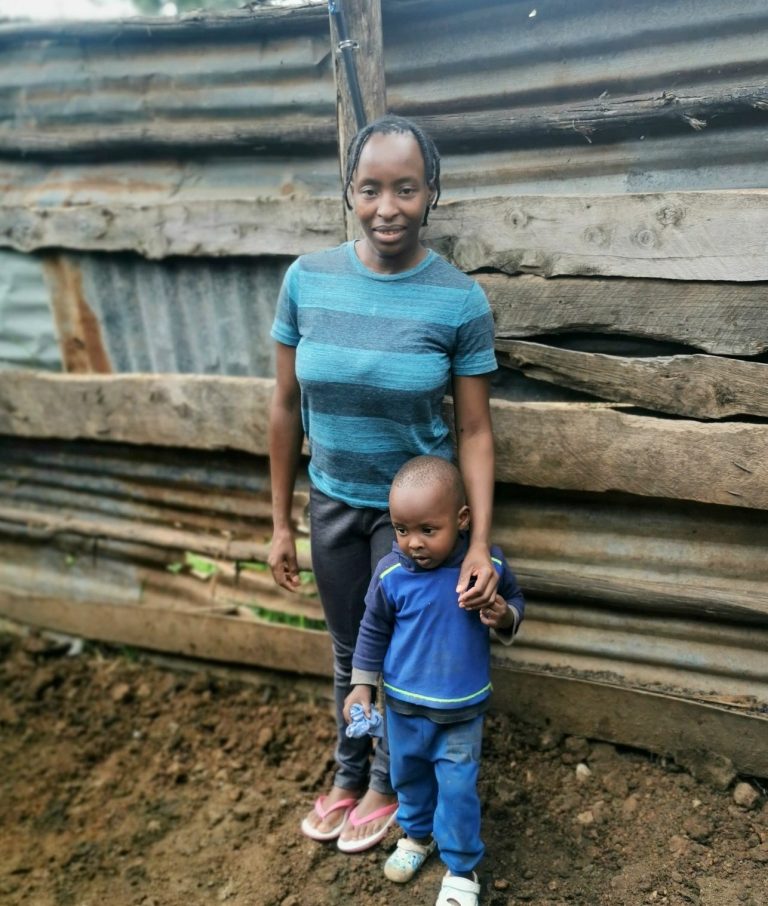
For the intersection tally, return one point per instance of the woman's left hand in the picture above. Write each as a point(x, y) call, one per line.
point(477, 565)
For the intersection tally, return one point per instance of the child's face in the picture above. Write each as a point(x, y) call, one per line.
point(427, 521)
point(390, 196)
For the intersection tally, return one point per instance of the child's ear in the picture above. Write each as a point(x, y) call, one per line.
point(464, 518)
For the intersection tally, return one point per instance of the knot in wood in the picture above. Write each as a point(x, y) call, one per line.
point(597, 235)
point(517, 218)
point(670, 214)
point(645, 238)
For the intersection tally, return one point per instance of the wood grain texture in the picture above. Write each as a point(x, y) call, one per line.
point(579, 446)
point(213, 636)
point(696, 386)
point(593, 447)
point(168, 410)
point(257, 226)
point(710, 235)
point(717, 317)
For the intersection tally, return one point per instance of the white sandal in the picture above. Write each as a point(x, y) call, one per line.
point(456, 891)
point(407, 859)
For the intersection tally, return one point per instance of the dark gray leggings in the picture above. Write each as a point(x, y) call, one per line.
point(347, 543)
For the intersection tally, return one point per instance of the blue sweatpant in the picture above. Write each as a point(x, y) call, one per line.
point(434, 770)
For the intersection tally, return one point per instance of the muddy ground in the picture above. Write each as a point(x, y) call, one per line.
point(129, 784)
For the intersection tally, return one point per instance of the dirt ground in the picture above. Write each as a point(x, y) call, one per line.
point(128, 784)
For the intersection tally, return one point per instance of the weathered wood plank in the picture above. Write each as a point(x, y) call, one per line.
point(598, 709)
point(257, 226)
point(592, 447)
point(697, 386)
point(721, 318)
point(169, 410)
point(592, 119)
point(675, 236)
point(589, 447)
point(214, 636)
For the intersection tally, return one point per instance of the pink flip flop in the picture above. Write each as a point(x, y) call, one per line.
point(343, 805)
point(357, 846)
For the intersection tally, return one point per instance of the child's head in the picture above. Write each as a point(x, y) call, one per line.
point(428, 509)
point(400, 126)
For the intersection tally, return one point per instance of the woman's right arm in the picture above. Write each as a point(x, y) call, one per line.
point(285, 439)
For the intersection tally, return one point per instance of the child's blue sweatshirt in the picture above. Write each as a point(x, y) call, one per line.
point(430, 652)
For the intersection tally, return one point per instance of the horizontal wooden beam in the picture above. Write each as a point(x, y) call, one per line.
point(721, 318)
point(667, 724)
point(592, 119)
point(256, 226)
point(709, 235)
point(696, 386)
point(183, 631)
point(170, 410)
point(578, 446)
point(673, 236)
point(593, 447)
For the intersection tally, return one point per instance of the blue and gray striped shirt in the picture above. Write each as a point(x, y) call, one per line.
point(375, 354)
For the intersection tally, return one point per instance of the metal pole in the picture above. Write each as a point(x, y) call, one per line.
point(346, 48)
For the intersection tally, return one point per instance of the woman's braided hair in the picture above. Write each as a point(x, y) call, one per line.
point(387, 125)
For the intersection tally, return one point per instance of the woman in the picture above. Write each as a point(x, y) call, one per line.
point(370, 336)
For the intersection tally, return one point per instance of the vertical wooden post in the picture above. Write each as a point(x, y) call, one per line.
point(364, 31)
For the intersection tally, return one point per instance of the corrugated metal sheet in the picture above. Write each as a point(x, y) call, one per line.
point(683, 85)
point(146, 507)
point(27, 333)
point(184, 316)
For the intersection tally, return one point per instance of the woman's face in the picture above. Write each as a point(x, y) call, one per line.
point(389, 197)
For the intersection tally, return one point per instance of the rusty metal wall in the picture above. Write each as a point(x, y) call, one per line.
point(184, 316)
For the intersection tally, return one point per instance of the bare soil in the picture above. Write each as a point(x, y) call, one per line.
point(128, 784)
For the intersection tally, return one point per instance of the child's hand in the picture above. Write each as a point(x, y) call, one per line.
point(498, 615)
point(360, 695)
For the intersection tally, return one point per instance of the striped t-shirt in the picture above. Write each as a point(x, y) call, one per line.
point(375, 354)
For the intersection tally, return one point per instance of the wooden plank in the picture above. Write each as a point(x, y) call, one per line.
point(578, 446)
point(592, 447)
point(78, 329)
point(697, 386)
point(364, 30)
point(712, 235)
point(205, 413)
point(591, 119)
point(721, 318)
point(679, 236)
point(256, 226)
point(213, 636)
point(666, 724)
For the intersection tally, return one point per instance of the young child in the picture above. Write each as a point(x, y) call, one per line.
point(434, 657)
